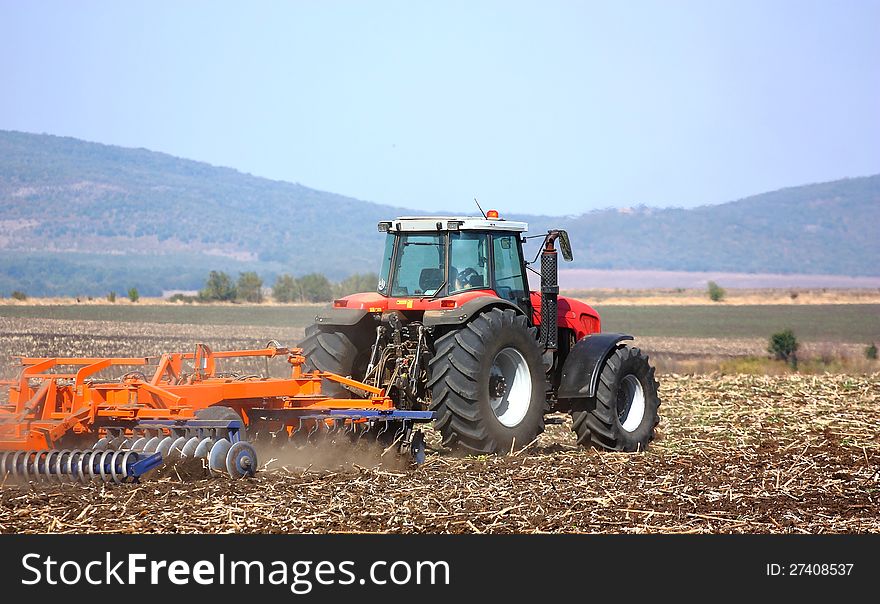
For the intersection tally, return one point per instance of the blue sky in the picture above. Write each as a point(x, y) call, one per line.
point(541, 107)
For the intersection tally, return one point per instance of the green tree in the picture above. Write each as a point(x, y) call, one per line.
point(871, 352)
point(716, 292)
point(285, 289)
point(356, 284)
point(18, 295)
point(133, 294)
point(314, 287)
point(783, 346)
point(250, 287)
point(218, 288)
point(111, 297)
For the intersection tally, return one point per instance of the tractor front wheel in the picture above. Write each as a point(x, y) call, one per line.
point(623, 414)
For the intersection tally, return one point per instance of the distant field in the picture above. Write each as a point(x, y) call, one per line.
point(282, 316)
point(651, 279)
point(855, 323)
point(826, 323)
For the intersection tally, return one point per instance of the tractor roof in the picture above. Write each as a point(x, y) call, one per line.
point(452, 223)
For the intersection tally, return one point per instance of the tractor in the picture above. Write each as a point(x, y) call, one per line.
point(453, 328)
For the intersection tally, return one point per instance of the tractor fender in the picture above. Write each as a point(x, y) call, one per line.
point(467, 311)
point(580, 373)
point(340, 316)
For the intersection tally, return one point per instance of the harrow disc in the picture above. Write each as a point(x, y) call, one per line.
point(217, 456)
point(188, 451)
point(204, 447)
point(164, 446)
point(241, 460)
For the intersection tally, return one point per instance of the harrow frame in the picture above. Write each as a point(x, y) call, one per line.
point(58, 402)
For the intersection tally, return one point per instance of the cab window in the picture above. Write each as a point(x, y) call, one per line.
point(510, 282)
point(468, 261)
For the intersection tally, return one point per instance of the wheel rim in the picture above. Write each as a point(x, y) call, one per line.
point(630, 403)
point(510, 391)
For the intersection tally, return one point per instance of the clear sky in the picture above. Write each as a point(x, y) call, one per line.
point(542, 107)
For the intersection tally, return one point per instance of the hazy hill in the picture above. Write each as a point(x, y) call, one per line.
point(826, 228)
point(84, 218)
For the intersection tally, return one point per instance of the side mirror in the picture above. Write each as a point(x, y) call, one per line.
point(565, 246)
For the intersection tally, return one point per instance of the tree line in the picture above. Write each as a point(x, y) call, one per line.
point(313, 287)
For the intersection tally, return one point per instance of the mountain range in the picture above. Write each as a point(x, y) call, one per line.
point(82, 218)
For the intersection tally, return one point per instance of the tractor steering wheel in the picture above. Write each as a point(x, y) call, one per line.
point(466, 279)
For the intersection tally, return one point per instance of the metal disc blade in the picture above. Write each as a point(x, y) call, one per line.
point(204, 448)
point(241, 460)
point(176, 447)
point(189, 448)
point(217, 457)
point(164, 446)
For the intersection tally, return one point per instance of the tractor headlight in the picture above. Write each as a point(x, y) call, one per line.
point(384, 227)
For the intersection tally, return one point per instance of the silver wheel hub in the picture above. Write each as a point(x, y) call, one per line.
point(630, 403)
point(510, 387)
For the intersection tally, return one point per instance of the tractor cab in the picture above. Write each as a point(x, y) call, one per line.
point(441, 257)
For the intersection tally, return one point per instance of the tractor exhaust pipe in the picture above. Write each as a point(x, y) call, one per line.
point(549, 293)
point(550, 286)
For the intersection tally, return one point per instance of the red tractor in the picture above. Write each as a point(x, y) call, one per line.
point(454, 329)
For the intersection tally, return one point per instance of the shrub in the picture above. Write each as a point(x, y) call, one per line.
point(17, 295)
point(133, 294)
point(183, 298)
point(716, 292)
point(315, 287)
point(249, 288)
point(871, 352)
point(111, 297)
point(783, 346)
point(218, 288)
point(285, 289)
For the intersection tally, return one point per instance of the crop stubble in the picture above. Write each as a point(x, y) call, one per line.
point(736, 454)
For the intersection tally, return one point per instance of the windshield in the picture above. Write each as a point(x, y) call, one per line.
point(421, 264)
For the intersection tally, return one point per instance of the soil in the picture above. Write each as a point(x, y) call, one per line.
point(734, 454)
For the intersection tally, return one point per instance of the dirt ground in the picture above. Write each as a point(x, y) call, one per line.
point(738, 454)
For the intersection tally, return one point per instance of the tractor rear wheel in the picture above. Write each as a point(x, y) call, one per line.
point(333, 350)
point(488, 386)
point(623, 414)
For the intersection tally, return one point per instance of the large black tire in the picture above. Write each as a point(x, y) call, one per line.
point(615, 419)
point(331, 349)
point(461, 372)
